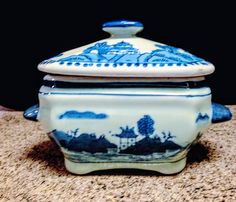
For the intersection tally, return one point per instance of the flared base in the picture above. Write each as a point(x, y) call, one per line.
point(164, 168)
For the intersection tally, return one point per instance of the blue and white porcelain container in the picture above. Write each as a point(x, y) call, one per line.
point(126, 102)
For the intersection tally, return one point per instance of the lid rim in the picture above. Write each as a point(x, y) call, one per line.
point(103, 71)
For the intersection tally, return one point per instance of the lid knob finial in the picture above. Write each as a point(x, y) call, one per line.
point(122, 28)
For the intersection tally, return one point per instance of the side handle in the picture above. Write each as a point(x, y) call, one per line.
point(220, 113)
point(32, 113)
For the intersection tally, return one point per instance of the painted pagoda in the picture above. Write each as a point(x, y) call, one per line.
point(127, 138)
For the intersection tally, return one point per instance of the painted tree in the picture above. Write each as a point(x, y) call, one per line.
point(145, 125)
point(73, 133)
point(167, 136)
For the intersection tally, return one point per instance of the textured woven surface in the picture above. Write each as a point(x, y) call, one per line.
point(32, 169)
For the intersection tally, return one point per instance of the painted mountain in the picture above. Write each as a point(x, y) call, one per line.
point(139, 142)
point(84, 142)
point(124, 52)
point(151, 145)
point(202, 117)
point(61, 138)
point(90, 143)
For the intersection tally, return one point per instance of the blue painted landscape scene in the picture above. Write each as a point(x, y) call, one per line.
point(143, 145)
point(125, 53)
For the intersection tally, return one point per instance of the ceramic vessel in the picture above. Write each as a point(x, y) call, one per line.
point(126, 102)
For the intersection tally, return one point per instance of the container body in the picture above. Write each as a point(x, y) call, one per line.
point(125, 125)
point(125, 102)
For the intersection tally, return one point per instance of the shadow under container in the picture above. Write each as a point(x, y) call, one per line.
point(126, 102)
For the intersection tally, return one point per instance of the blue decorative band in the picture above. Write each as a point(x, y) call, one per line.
point(122, 64)
point(121, 94)
point(123, 23)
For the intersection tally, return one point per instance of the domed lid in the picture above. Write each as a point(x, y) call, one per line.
point(125, 55)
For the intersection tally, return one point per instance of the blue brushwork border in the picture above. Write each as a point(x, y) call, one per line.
point(121, 94)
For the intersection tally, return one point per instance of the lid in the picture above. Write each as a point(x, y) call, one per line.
point(126, 55)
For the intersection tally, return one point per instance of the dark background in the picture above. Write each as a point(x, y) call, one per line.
point(36, 30)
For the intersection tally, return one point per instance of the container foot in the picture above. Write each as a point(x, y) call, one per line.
point(164, 168)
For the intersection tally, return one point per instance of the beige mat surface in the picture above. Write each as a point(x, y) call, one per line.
point(32, 169)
